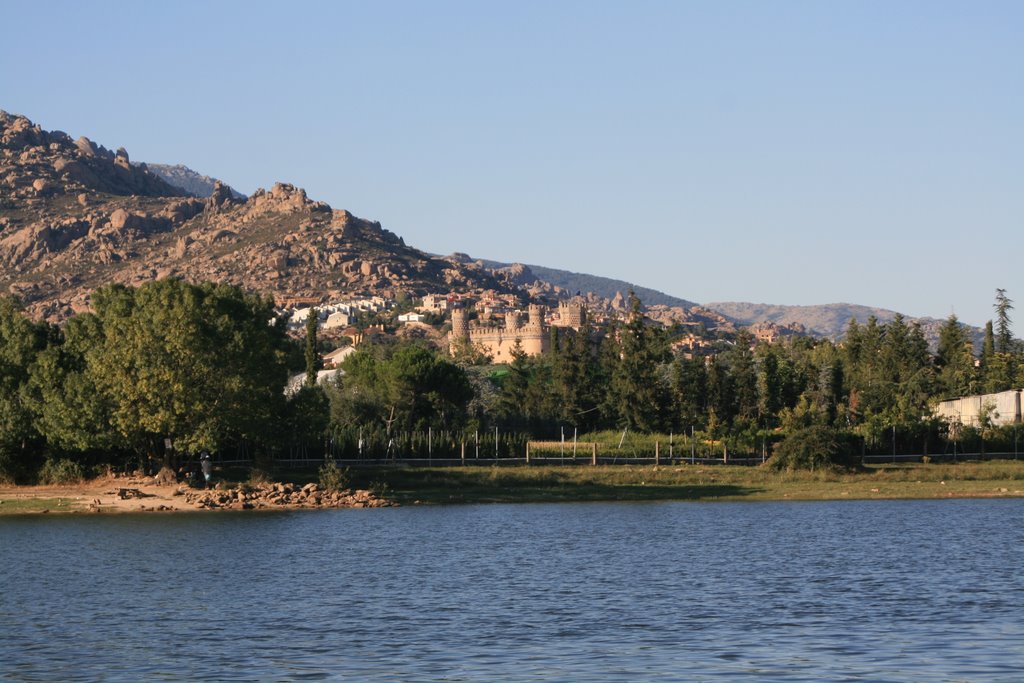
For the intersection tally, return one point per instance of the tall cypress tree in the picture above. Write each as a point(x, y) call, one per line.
point(1004, 335)
point(313, 362)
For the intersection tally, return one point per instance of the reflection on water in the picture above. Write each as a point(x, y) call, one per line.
point(873, 591)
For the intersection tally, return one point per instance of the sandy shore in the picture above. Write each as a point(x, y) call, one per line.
point(108, 494)
point(121, 495)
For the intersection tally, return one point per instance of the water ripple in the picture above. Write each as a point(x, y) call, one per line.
point(847, 591)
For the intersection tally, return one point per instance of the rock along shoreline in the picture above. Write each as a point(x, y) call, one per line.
point(282, 496)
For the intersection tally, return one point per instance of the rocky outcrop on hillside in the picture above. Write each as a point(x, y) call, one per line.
point(36, 164)
point(74, 216)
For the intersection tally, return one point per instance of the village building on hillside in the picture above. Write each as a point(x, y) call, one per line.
point(432, 303)
point(999, 409)
point(338, 314)
point(689, 344)
point(499, 341)
point(338, 319)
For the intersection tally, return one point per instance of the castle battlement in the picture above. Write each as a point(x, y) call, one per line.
point(487, 331)
point(533, 336)
point(499, 341)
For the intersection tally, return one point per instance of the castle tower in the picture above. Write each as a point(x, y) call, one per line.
point(511, 321)
point(536, 315)
point(571, 314)
point(460, 324)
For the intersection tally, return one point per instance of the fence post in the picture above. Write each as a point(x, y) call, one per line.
point(463, 452)
point(657, 453)
point(593, 453)
point(527, 452)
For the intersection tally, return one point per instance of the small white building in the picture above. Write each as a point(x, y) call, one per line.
point(1003, 408)
point(338, 319)
point(411, 318)
point(334, 358)
point(296, 382)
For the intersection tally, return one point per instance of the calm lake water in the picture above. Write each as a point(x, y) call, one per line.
point(843, 591)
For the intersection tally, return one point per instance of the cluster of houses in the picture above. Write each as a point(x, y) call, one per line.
point(338, 314)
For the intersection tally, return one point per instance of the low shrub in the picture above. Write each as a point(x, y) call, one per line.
point(62, 471)
point(815, 448)
point(332, 477)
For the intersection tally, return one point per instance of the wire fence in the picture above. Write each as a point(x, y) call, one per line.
point(373, 446)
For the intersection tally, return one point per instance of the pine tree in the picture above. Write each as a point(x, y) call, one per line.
point(743, 373)
point(635, 389)
point(954, 360)
point(573, 378)
point(689, 392)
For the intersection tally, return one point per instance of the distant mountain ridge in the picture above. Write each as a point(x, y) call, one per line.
point(193, 182)
point(825, 320)
point(605, 287)
point(829, 320)
point(820, 320)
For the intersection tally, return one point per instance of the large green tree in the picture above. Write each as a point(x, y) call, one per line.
point(21, 341)
point(202, 365)
point(409, 386)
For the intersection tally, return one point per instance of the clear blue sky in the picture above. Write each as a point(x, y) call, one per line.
point(778, 152)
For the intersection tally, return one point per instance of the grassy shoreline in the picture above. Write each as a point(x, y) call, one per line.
point(583, 483)
point(524, 484)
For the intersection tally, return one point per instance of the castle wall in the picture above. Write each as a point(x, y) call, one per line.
point(500, 341)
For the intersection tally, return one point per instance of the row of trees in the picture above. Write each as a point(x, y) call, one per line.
point(879, 383)
point(204, 367)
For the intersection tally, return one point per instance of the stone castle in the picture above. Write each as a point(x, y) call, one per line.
point(534, 336)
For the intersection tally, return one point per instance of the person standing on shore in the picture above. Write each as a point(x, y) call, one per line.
point(207, 465)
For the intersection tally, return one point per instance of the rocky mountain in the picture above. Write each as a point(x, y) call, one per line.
point(75, 216)
point(191, 181)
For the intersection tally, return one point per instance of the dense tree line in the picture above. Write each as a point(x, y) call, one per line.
point(879, 383)
point(203, 367)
